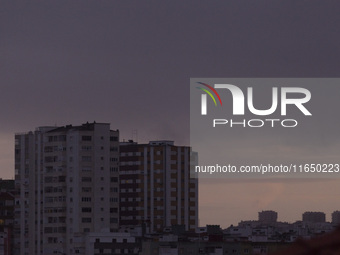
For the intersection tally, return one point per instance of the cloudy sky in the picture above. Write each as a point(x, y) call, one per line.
point(129, 63)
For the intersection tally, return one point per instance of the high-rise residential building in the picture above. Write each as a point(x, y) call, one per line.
point(156, 189)
point(315, 217)
point(67, 181)
point(268, 216)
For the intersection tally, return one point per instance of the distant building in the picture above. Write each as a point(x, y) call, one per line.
point(7, 186)
point(67, 181)
point(6, 217)
point(314, 217)
point(268, 217)
point(156, 189)
point(166, 246)
point(112, 243)
point(336, 217)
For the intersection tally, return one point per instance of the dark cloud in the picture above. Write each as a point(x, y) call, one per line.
point(129, 62)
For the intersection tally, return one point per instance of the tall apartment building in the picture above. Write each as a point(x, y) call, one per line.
point(67, 181)
point(156, 189)
point(315, 217)
point(268, 216)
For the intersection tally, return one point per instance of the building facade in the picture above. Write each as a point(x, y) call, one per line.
point(156, 189)
point(314, 217)
point(112, 243)
point(268, 216)
point(336, 217)
point(7, 199)
point(67, 181)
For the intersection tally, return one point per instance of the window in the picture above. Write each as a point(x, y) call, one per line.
point(51, 159)
point(86, 148)
point(113, 210)
point(62, 138)
point(114, 189)
point(56, 138)
point(113, 220)
point(47, 149)
point(86, 158)
point(86, 169)
point(86, 209)
point(114, 138)
point(114, 169)
point(86, 179)
point(86, 220)
point(48, 230)
point(86, 138)
point(86, 189)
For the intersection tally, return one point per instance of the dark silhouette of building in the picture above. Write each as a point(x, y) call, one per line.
point(315, 217)
point(268, 217)
point(156, 188)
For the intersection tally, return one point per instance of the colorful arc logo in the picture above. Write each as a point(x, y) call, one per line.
point(204, 97)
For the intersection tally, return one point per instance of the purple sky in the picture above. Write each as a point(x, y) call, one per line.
point(129, 63)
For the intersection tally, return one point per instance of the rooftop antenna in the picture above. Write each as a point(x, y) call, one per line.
point(135, 135)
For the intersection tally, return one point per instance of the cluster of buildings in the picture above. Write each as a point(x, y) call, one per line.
point(79, 190)
point(75, 185)
point(268, 229)
point(263, 236)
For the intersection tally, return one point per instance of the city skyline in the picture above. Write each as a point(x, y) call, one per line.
point(129, 64)
point(271, 189)
point(72, 182)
